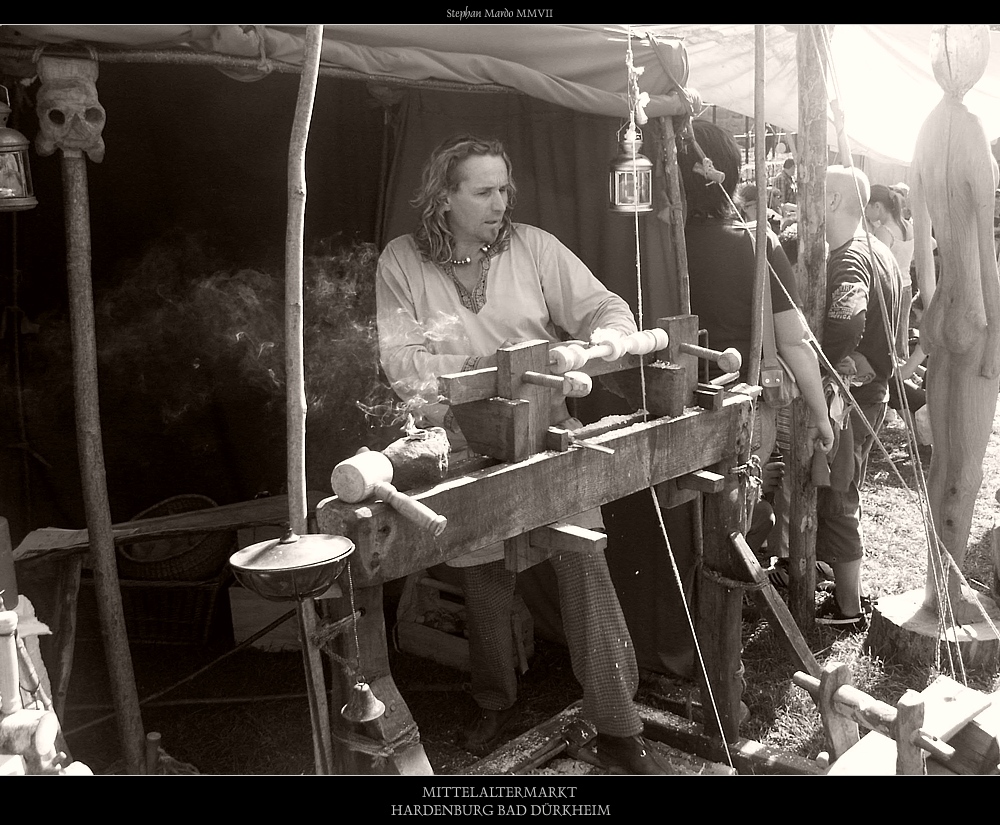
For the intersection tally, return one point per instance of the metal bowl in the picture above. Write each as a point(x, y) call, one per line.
point(293, 567)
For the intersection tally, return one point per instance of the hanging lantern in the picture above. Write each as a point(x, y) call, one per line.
point(630, 180)
point(16, 191)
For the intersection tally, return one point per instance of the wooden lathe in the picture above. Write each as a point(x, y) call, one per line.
point(692, 439)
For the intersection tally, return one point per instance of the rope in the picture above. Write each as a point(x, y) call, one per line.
point(379, 750)
point(731, 584)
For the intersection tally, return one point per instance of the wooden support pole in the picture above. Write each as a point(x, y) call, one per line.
point(10, 691)
point(720, 605)
point(768, 599)
point(295, 375)
point(760, 175)
point(910, 758)
point(91, 452)
point(811, 277)
point(394, 742)
point(67, 595)
point(294, 368)
point(676, 215)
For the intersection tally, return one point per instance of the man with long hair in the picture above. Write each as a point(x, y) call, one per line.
point(467, 282)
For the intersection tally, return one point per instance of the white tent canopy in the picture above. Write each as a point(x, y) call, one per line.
point(883, 72)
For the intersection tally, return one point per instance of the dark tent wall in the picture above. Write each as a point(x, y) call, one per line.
point(194, 150)
point(195, 167)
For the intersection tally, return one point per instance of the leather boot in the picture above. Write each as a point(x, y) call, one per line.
point(631, 755)
point(484, 729)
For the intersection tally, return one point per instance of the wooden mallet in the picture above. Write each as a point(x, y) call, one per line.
point(368, 474)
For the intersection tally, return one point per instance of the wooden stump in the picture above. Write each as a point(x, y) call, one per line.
point(903, 630)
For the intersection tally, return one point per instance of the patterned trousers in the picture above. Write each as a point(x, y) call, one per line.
point(600, 646)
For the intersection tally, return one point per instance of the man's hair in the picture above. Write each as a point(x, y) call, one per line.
point(788, 164)
point(850, 182)
point(440, 178)
point(704, 199)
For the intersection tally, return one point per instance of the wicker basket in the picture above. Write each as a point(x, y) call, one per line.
point(160, 612)
point(195, 557)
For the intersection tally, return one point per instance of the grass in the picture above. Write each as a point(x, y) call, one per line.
point(782, 714)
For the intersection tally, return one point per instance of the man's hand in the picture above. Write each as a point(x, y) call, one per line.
point(820, 435)
point(770, 476)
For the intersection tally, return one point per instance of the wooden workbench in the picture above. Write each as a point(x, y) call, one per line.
point(522, 502)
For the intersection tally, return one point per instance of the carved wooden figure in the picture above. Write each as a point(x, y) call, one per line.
point(955, 176)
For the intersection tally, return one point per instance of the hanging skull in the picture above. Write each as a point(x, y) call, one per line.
point(70, 116)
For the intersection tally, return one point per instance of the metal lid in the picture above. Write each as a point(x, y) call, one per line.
point(292, 552)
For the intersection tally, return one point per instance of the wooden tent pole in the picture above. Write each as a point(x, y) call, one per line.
point(811, 277)
point(296, 397)
point(294, 362)
point(91, 453)
point(676, 200)
point(760, 178)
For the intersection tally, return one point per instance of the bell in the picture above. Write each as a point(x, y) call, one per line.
point(363, 705)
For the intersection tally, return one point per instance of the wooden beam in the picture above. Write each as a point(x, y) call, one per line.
point(811, 277)
point(747, 755)
point(395, 729)
point(568, 538)
point(512, 363)
point(54, 544)
point(495, 426)
point(500, 502)
point(720, 606)
point(704, 481)
point(768, 599)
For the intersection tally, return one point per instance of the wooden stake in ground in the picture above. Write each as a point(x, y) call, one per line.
point(294, 371)
point(71, 120)
point(954, 178)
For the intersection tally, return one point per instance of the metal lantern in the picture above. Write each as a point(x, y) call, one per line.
point(16, 191)
point(630, 182)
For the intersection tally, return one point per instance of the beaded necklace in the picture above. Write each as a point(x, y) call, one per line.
point(475, 299)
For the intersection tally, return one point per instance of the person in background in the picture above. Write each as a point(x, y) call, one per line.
point(885, 214)
point(746, 201)
point(721, 268)
point(863, 282)
point(467, 282)
point(784, 182)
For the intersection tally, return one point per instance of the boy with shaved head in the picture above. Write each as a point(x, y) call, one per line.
point(864, 290)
